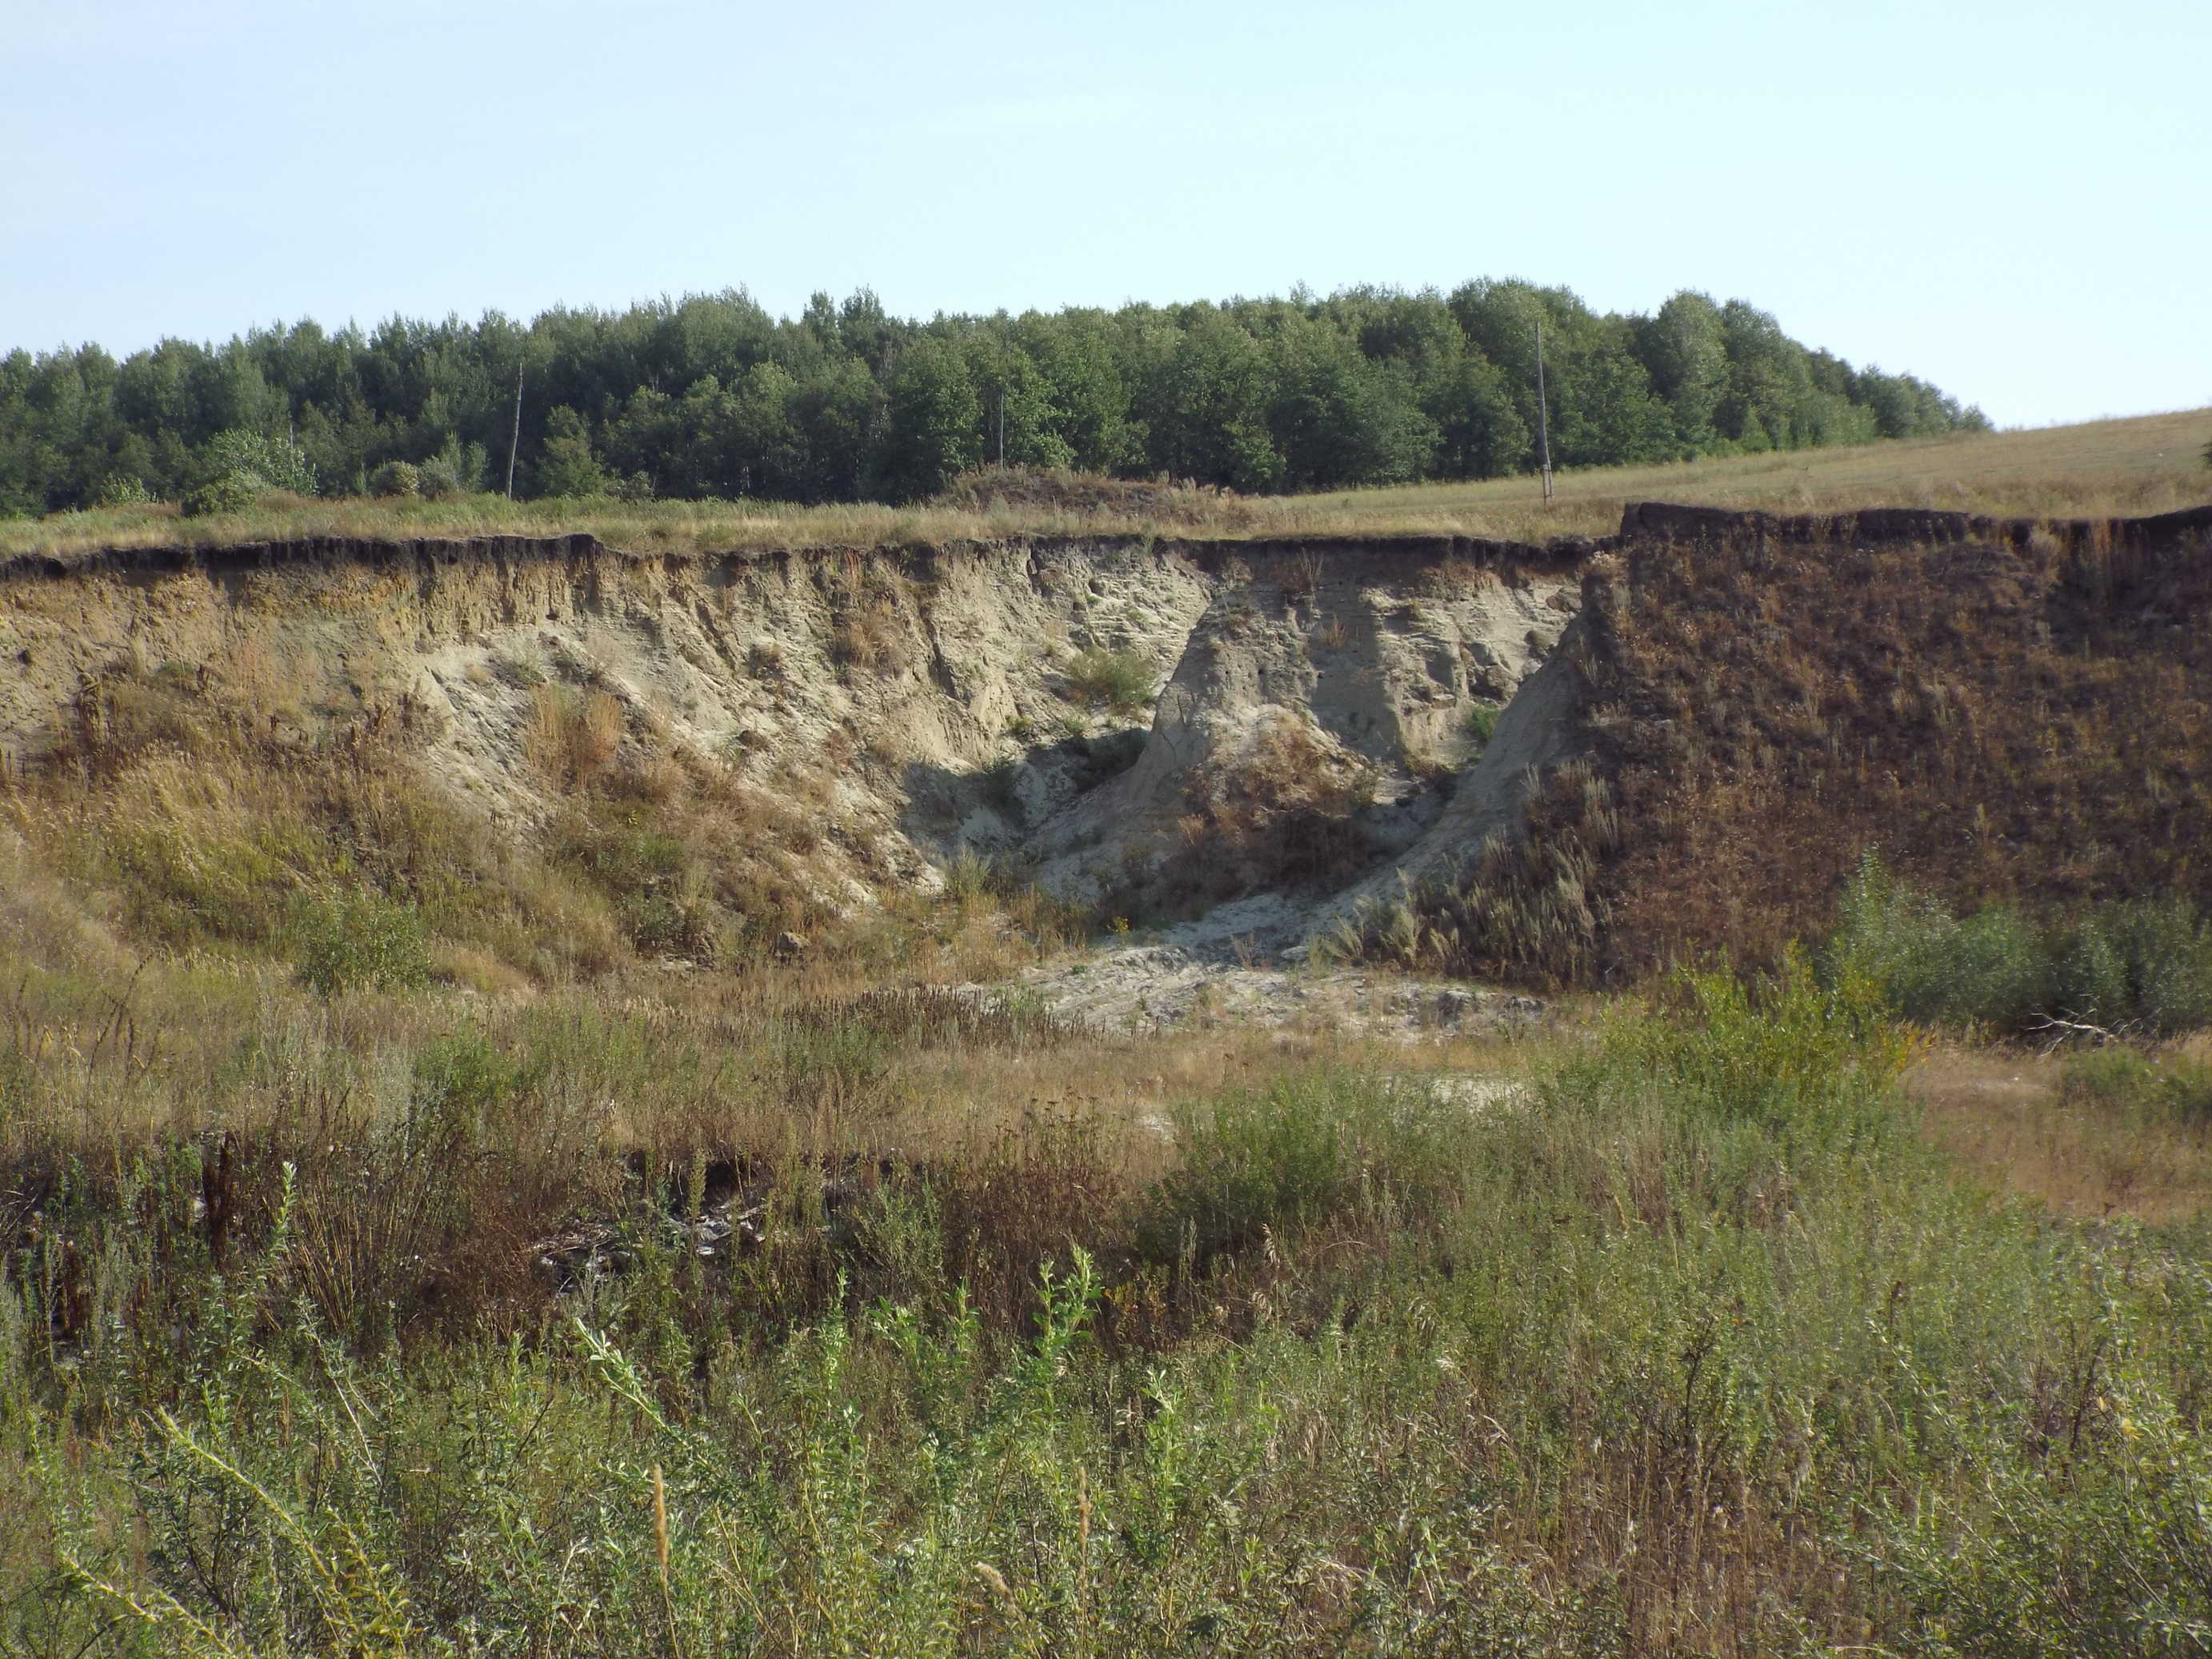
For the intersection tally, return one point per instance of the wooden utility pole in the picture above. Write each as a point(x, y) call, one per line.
point(1543, 415)
point(514, 445)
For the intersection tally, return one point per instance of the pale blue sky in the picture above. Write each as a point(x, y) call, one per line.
point(2013, 198)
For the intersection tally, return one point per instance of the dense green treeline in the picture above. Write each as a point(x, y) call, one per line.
point(714, 397)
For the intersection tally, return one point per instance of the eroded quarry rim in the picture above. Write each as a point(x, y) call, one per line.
point(924, 685)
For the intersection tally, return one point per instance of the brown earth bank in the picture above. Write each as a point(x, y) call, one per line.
point(2007, 709)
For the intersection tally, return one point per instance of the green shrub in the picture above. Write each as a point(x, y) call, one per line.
point(439, 480)
point(460, 1084)
point(395, 478)
point(2142, 964)
point(1478, 725)
point(1991, 967)
point(973, 878)
point(1119, 680)
point(230, 493)
point(361, 941)
point(2099, 1549)
point(654, 882)
point(119, 490)
point(445, 477)
point(674, 924)
point(236, 468)
point(258, 462)
point(1806, 1063)
point(1000, 784)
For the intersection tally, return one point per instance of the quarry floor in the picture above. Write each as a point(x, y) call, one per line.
point(2000, 1113)
point(1162, 985)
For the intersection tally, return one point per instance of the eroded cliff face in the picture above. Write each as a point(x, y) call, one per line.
point(1309, 714)
point(868, 687)
point(1317, 723)
point(1483, 757)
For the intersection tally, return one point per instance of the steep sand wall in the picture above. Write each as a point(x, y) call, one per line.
point(861, 682)
point(1317, 721)
point(916, 699)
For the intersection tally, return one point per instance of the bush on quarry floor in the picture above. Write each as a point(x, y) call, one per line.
point(2139, 965)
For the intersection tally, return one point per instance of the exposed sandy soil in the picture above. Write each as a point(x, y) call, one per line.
point(901, 710)
point(1165, 987)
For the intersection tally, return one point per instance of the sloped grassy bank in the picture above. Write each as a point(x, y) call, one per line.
point(1684, 1344)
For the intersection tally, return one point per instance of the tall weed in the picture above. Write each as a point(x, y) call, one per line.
point(361, 941)
point(1314, 1147)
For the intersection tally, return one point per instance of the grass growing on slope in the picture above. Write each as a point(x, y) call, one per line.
point(1120, 681)
point(1686, 1343)
point(180, 805)
point(2011, 723)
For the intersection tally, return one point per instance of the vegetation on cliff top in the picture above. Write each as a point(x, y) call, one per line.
point(2100, 469)
point(711, 397)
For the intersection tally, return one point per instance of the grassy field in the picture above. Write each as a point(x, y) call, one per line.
point(2094, 1136)
point(766, 1314)
point(2150, 464)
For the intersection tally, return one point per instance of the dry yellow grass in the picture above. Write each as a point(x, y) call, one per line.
point(2004, 1115)
point(2147, 463)
point(2150, 463)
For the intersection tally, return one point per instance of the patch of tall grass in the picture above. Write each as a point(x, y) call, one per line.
point(1120, 681)
point(1308, 1150)
point(2176, 1086)
point(1687, 1345)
